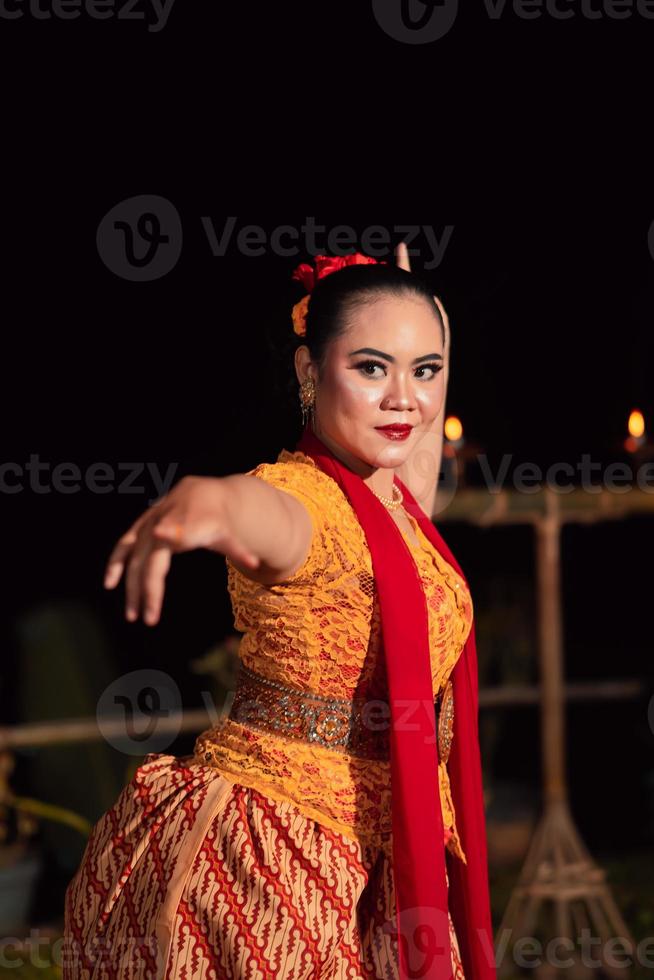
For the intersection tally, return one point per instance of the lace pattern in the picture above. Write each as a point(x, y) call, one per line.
point(319, 631)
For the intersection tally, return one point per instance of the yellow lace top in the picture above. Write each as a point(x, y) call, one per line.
point(319, 631)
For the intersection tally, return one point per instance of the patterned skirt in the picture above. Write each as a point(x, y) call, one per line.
point(191, 876)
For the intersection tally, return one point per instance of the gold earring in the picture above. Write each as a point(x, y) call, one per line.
point(307, 399)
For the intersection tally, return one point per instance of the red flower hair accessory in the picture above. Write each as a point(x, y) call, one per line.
point(308, 276)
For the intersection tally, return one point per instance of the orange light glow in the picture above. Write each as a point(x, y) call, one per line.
point(453, 428)
point(636, 424)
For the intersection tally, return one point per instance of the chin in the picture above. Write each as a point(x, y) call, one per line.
point(389, 457)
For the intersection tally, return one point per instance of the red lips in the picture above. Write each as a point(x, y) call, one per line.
point(396, 432)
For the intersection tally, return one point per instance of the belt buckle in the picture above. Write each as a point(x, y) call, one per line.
point(445, 716)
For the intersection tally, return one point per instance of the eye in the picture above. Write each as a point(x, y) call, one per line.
point(433, 367)
point(364, 367)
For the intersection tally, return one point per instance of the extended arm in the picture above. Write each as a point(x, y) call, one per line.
point(271, 523)
point(265, 532)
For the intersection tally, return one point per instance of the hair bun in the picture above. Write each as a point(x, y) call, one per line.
point(309, 276)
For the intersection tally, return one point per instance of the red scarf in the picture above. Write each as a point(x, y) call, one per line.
point(419, 854)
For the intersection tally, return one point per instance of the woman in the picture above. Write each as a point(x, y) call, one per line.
point(316, 831)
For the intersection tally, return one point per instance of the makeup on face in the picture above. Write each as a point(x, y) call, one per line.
point(381, 382)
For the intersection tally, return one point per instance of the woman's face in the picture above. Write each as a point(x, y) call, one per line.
point(386, 369)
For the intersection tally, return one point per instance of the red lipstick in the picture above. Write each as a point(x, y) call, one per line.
point(395, 431)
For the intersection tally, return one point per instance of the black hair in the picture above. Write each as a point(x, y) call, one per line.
point(336, 298)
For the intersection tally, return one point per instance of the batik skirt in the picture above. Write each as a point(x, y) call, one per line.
point(190, 876)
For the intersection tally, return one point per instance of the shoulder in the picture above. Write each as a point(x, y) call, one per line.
point(292, 464)
point(337, 532)
point(300, 475)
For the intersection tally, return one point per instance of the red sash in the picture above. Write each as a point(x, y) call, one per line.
point(419, 854)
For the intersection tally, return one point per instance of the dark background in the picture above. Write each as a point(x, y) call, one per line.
point(525, 136)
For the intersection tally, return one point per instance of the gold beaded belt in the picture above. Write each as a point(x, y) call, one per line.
point(356, 726)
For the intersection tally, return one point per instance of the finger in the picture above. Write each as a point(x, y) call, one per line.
point(402, 256)
point(441, 308)
point(133, 577)
point(155, 570)
point(116, 562)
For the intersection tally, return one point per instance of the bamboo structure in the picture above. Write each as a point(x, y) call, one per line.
point(561, 899)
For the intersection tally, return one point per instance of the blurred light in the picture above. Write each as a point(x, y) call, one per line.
point(453, 428)
point(636, 424)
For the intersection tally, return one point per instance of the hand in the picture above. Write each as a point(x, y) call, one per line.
point(194, 514)
point(402, 256)
point(420, 472)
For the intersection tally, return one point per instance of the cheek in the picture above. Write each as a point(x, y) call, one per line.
point(430, 397)
point(354, 397)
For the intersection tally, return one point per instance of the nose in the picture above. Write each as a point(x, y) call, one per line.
point(399, 395)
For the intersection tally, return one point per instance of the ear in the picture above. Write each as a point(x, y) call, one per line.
point(302, 361)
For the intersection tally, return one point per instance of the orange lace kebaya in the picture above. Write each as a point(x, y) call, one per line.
point(319, 632)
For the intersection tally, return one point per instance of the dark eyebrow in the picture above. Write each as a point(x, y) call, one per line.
point(380, 353)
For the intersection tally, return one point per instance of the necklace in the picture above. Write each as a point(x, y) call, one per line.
point(387, 502)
